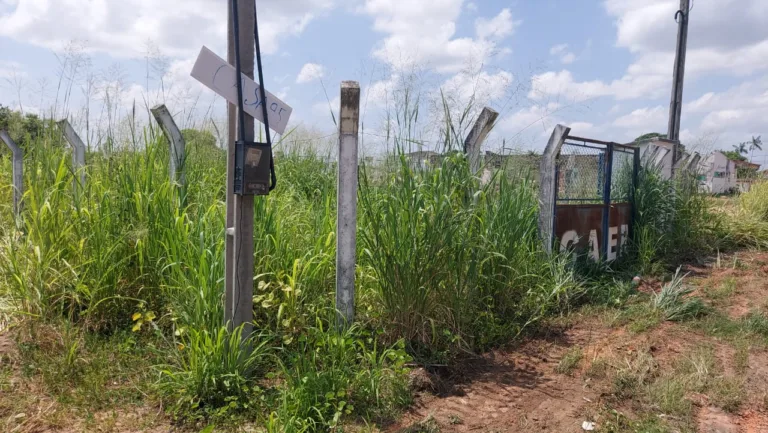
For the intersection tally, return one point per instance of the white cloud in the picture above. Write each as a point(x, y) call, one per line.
point(568, 58)
point(497, 27)
point(482, 88)
point(630, 86)
point(536, 116)
point(725, 37)
point(380, 93)
point(648, 25)
point(557, 49)
point(422, 33)
point(651, 119)
point(740, 109)
point(472, 7)
point(310, 72)
point(122, 28)
point(529, 128)
point(561, 51)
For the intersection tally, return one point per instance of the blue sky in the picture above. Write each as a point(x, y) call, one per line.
point(603, 67)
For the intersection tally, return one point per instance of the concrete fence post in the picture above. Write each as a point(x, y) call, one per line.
point(176, 144)
point(346, 223)
point(547, 187)
point(78, 152)
point(18, 172)
point(477, 136)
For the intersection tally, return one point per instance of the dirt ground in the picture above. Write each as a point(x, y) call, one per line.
point(525, 390)
point(570, 375)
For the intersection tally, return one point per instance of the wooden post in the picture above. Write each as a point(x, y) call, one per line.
point(238, 307)
point(176, 144)
point(18, 172)
point(346, 222)
point(477, 135)
point(78, 151)
point(547, 187)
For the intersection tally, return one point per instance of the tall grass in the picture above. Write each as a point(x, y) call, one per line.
point(457, 265)
point(447, 265)
point(675, 222)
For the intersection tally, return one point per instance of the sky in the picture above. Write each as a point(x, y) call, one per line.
point(602, 67)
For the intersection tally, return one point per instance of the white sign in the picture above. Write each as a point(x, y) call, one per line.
point(219, 76)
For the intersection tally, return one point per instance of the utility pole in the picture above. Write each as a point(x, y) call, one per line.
point(676, 104)
point(238, 306)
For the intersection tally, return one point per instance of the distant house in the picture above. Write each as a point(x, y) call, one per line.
point(423, 159)
point(495, 160)
point(747, 173)
point(720, 175)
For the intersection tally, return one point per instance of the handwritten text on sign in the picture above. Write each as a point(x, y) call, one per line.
point(219, 76)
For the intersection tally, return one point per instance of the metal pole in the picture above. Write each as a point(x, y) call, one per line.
point(676, 103)
point(346, 222)
point(238, 307)
point(18, 172)
point(607, 200)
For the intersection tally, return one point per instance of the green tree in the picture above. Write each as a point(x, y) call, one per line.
point(21, 128)
point(741, 148)
point(650, 135)
point(199, 139)
point(733, 155)
point(756, 143)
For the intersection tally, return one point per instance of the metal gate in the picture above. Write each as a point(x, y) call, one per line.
point(591, 194)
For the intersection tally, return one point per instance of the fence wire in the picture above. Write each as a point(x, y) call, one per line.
point(583, 170)
point(580, 173)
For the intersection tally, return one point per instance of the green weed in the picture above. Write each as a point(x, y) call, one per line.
point(570, 361)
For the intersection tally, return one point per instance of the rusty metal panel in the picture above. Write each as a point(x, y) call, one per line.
point(579, 227)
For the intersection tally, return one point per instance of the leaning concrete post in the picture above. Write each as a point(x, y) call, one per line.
point(78, 151)
point(177, 146)
point(548, 180)
point(18, 172)
point(477, 136)
point(346, 222)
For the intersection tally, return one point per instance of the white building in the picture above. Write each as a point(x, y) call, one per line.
point(718, 173)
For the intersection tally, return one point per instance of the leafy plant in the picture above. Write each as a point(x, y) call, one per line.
point(214, 372)
point(673, 303)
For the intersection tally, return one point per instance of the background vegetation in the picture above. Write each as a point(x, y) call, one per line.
point(448, 267)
